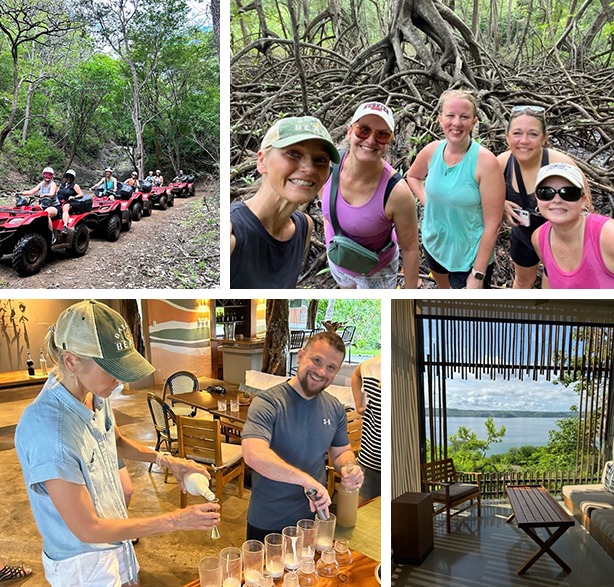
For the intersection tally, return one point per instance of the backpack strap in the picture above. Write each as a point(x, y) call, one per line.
point(392, 182)
point(334, 185)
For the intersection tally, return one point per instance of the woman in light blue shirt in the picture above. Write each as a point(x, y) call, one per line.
point(68, 443)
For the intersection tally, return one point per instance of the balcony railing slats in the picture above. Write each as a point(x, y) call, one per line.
point(493, 484)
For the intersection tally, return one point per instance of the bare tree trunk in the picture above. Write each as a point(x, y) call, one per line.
point(277, 337)
point(130, 312)
point(215, 15)
point(312, 313)
point(297, 56)
point(330, 310)
point(475, 18)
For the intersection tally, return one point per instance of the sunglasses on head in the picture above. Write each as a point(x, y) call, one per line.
point(362, 131)
point(568, 193)
point(529, 107)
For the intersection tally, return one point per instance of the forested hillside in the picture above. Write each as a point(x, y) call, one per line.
point(76, 75)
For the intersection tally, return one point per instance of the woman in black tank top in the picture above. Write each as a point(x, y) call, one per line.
point(268, 235)
point(526, 137)
point(69, 190)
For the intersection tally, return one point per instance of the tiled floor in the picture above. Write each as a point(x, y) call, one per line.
point(487, 552)
point(166, 559)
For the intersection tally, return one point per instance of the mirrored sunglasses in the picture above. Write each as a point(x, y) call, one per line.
point(362, 131)
point(568, 193)
point(47, 174)
point(530, 108)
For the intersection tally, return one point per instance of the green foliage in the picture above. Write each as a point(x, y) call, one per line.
point(37, 152)
point(468, 452)
point(365, 315)
point(82, 100)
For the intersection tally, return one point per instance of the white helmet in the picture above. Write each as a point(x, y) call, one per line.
point(71, 172)
point(49, 170)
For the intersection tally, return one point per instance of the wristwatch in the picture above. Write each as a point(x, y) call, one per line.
point(477, 274)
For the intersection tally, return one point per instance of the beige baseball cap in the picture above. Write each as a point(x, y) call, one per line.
point(570, 172)
point(92, 329)
point(296, 129)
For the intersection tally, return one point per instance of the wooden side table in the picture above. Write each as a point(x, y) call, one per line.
point(412, 528)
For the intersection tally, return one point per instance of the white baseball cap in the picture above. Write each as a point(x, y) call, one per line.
point(376, 108)
point(569, 172)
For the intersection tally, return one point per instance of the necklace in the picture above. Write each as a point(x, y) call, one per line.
point(456, 161)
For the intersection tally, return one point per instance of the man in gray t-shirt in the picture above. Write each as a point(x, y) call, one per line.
point(289, 430)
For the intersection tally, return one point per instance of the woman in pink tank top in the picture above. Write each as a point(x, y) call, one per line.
point(363, 213)
point(575, 246)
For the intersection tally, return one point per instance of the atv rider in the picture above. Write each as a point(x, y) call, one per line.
point(133, 180)
point(158, 180)
point(47, 189)
point(150, 177)
point(108, 183)
point(68, 191)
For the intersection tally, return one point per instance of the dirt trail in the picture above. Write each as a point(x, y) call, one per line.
point(158, 252)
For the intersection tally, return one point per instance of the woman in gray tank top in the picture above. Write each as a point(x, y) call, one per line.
point(47, 189)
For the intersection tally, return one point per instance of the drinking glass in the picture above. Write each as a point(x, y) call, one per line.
point(221, 405)
point(253, 560)
point(293, 547)
point(234, 404)
point(310, 533)
point(343, 552)
point(230, 558)
point(327, 565)
point(326, 533)
point(274, 553)
point(210, 571)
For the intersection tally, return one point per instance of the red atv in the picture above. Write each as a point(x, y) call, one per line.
point(139, 203)
point(25, 235)
point(162, 196)
point(144, 191)
point(123, 208)
point(182, 186)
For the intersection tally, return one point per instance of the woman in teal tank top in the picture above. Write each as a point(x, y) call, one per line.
point(460, 185)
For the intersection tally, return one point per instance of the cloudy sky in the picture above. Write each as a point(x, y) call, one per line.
point(499, 394)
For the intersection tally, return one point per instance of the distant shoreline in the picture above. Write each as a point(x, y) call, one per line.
point(455, 413)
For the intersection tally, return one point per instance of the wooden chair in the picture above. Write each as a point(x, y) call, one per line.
point(201, 440)
point(165, 423)
point(354, 429)
point(176, 384)
point(441, 479)
point(297, 340)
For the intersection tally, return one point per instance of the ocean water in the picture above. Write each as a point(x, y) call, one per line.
point(518, 431)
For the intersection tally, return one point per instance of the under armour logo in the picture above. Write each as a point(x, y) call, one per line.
point(326, 421)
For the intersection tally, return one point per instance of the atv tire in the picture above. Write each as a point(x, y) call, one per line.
point(113, 228)
point(80, 241)
point(191, 191)
point(29, 254)
point(147, 208)
point(137, 211)
point(171, 200)
point(126, 226)
point(184, 193)
point(163, 202)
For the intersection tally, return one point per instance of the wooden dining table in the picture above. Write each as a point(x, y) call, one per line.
point(206, 400)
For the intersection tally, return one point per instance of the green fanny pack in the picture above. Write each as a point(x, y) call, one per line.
point(348, 254)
